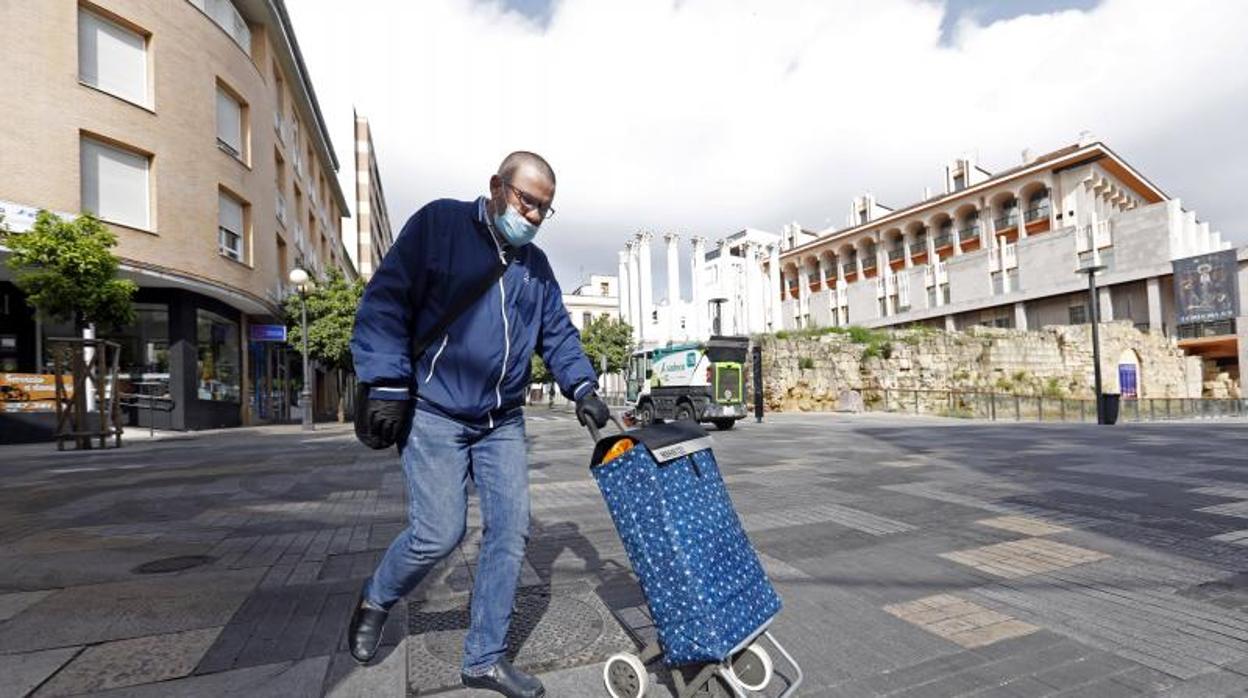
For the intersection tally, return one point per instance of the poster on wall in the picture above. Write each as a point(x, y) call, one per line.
point(30, 392)
point(1205, 288)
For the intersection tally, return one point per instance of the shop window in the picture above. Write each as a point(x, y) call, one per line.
point(112, 58)
point(115, 184)
point(218, 349)
point(144, 348)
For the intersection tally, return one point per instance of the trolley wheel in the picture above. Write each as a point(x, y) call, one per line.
point(625, 676)
point(684, 412)
point(724, 424)
point(752, 668)
point(645, 414)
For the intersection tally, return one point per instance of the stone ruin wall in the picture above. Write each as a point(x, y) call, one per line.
point(810, 373)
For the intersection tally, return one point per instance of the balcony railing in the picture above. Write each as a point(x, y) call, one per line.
point(968, 233)
point(1037, 213)
point(1009, 220)
point(943, 240)
point(896, 254)
point(919, 247)
point(226, 16)
point(868, 263)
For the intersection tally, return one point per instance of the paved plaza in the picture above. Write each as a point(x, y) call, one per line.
point(915, 557)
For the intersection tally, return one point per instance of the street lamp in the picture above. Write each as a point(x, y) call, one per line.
point(1091, 270)
point(299, 278)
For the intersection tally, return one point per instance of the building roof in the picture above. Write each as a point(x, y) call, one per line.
point(1067, 156)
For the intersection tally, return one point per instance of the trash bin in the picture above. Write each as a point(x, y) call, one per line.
point(1109, 407)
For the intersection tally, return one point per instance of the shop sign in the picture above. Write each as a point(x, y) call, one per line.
point(30, 392)
point(20, 218)
point(268, 333)
point(1205, 288)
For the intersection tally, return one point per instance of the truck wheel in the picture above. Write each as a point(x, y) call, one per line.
point(724, 424)
point(645, 414)
point(684, 412)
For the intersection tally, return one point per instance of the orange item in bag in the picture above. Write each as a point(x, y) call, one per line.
point(618, 450)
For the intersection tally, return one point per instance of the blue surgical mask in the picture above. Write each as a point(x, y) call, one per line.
point(515, 228)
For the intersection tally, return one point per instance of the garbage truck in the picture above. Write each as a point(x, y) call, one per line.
point(701, 382)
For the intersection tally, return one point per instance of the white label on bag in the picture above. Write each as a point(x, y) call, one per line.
point(683, 448)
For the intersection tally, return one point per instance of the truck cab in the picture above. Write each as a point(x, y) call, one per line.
point(702, 382)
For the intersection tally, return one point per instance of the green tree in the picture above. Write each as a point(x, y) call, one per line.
point(331, 316)
point(540, 374)
point(68, 271)
point(609, 337)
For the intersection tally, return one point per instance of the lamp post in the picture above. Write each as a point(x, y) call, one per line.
point(1095, 311)
point(299, 278)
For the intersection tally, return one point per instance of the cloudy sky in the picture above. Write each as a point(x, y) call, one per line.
point(707, 116)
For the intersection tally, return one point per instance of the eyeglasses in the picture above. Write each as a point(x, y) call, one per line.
point(530, 202)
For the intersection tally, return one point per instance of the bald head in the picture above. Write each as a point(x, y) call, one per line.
point(522, 159)
point(526, 181)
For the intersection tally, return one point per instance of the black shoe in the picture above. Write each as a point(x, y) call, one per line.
point(364, 632)
point(507, 680)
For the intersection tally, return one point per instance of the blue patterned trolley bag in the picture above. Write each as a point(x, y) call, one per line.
point(707, 591)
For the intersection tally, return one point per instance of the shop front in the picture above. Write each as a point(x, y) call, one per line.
point(185, 364)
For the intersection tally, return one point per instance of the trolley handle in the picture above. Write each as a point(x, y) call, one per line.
point(594, 433)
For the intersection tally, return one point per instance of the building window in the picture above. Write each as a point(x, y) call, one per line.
point(998, 283)
point(112, 58)
point(931, 296)
point(586, 319)
point(944, 292)
point(218, 367)
point(230, 226)
point(231, 134)
point(959, 182)
point(1078, 314)
point(115, 184)
point(883, 307)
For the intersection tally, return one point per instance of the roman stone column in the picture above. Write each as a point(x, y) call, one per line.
point(621, 286)
point(673, 285)
point(647, 286)
point(697, 279)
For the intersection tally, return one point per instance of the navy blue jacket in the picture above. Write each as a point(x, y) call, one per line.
point(479, 369)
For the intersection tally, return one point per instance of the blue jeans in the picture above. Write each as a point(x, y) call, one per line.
point(439, 457)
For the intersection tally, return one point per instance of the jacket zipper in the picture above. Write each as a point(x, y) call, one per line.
point(498, 395)
point(434, 364)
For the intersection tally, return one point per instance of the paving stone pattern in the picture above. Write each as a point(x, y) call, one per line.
point(915, 557)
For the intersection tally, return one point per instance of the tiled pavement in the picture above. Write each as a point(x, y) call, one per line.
point(915, 557)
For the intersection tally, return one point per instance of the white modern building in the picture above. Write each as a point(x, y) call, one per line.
point(599, 297)
point(727, 284)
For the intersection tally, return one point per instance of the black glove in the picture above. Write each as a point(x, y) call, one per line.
point(379, 420)
point(591, 408)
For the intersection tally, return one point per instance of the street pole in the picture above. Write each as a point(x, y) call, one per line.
point(1095, 313)
point(305, 395)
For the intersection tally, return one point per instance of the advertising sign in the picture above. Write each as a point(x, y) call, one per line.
point(30, 392)
point(1205, 288)
point(268, 333)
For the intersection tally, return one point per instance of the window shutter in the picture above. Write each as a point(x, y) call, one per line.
point(231, 214)
point(115, 184)
point(229, 122)
point(112, 58)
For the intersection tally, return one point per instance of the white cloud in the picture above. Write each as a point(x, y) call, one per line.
point(707, 116)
